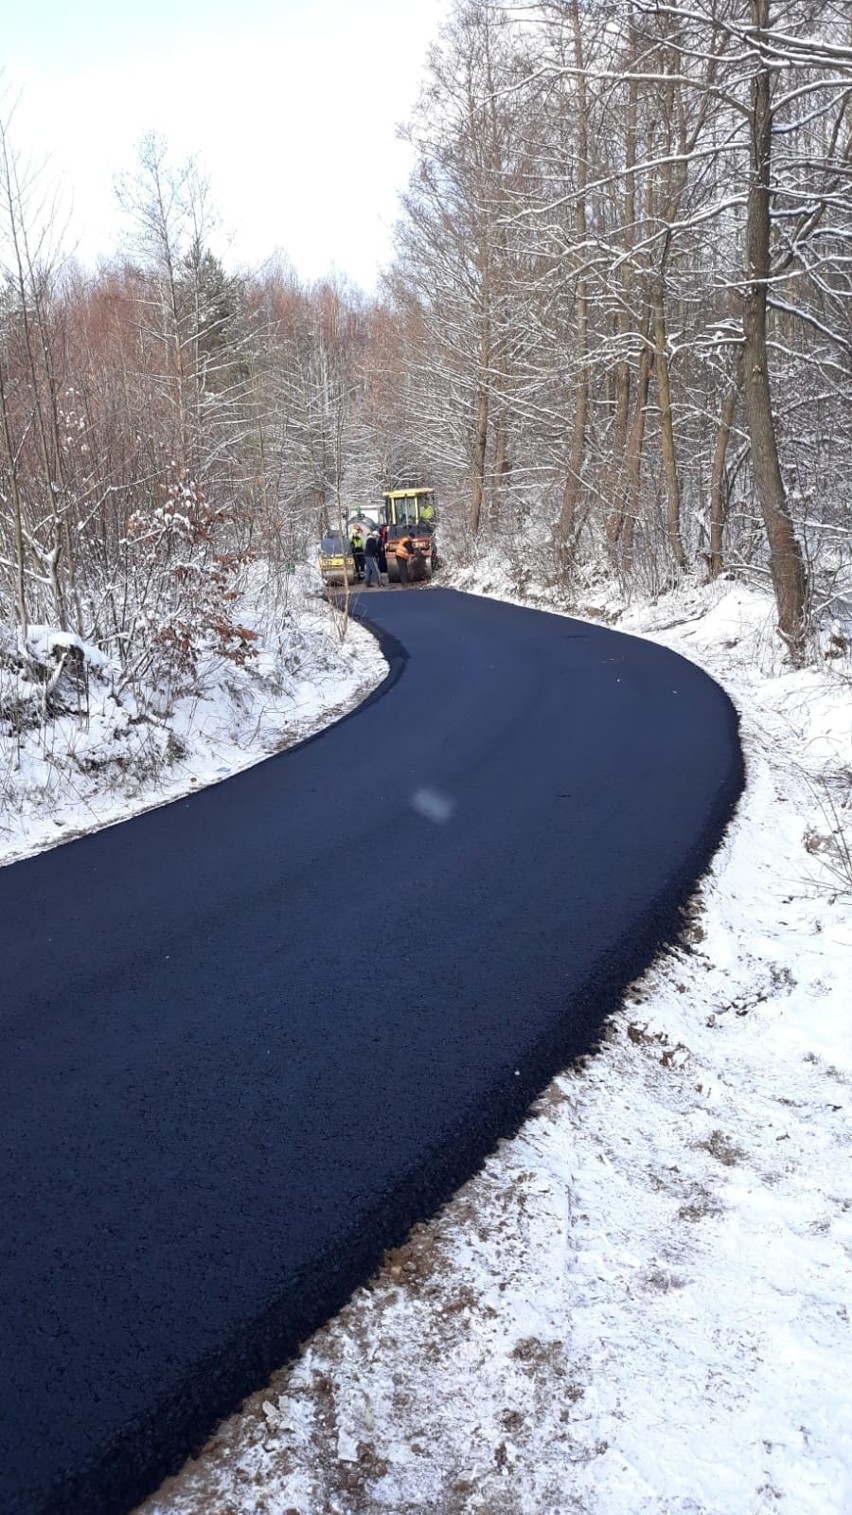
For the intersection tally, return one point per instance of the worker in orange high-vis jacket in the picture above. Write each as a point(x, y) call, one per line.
point(404, 554)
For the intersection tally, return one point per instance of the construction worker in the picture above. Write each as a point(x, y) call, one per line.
point(404, 554)
point(356, 542)
point(372, 572)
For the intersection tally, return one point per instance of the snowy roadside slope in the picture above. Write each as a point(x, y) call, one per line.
point(641, 1303)
point(108, 760)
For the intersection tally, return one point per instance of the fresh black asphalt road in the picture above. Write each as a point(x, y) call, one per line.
point(248, 1038)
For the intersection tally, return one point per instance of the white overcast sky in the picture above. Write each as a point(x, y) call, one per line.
point(290, 107)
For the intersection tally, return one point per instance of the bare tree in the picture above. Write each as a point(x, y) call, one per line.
point(785, 557)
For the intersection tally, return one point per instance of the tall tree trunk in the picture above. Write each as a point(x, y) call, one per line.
point(480, 443)
point(718, 497)
point(635, 444)
point(501, 470)
point(627, 492)
point(622, 372)
point(786, 564)
point(17, 512)
point(568, 528)
point(480, 434)
point(667, 430)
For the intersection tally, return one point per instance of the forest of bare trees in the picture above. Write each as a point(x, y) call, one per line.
point(625, 267)
point(616, 337)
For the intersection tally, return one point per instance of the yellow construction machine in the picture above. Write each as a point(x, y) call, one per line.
point(336, 562)
point(410, 513)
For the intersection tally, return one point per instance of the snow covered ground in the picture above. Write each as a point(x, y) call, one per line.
point(642, 1302)
point(104, 755)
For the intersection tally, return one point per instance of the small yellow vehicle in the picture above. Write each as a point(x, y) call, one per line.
point(411, 513)
point(336, 563)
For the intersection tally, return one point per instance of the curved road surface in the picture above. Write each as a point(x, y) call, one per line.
point(247, 1039)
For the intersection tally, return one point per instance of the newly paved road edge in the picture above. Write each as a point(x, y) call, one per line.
point(149, 1094)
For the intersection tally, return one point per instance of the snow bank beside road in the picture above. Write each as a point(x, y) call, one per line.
point(100, 754)
point(641, 1304)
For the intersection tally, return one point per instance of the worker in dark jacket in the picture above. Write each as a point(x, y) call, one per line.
point(372, 572)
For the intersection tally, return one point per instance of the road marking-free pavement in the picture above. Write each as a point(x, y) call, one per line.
point(249, 1038)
